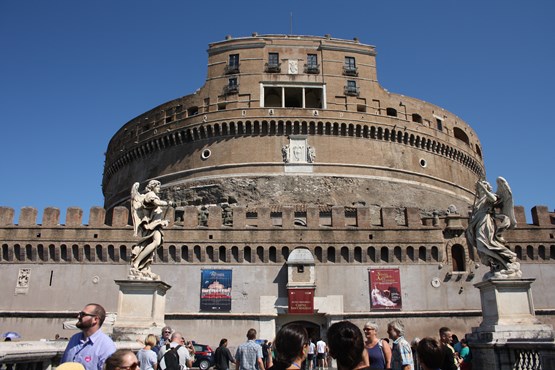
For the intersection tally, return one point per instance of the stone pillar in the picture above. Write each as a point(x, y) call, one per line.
point(388, 217)
point(288, 216)
point(190, 217)
point(239, 217)
point(509, 332)
point(264, 218)
point(338, 217)
point(363, 217)
point(141, 308)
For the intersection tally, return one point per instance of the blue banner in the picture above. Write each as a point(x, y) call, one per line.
point(215, 290)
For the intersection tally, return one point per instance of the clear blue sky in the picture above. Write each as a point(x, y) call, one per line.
point(73, 72)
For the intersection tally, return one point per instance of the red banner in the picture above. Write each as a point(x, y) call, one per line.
point(385, 289)
point(301, 301)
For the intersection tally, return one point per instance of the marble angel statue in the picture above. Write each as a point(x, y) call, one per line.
point(493, 213)
point(148, 222)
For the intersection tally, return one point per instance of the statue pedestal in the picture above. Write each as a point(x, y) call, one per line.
point(141, 308)
point(510, 332)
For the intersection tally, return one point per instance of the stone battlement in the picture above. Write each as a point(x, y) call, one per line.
point(281, 216)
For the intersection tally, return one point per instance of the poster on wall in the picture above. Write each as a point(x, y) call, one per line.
point(301, 301)
point(215, 290)
point(385, 289)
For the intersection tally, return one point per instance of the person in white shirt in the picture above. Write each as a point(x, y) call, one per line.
point(310, 355)
point(321, 349)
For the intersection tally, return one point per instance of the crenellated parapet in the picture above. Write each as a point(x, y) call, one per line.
point(241, 234)
point(238, 217)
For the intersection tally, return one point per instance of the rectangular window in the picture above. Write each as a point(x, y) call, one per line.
point(439, 124)
point(350, 68)
point(312, 60)
point(351, 88)
point(311, 65)
point(233, 64)
point(273, 59)
point(232, 86)
point(293, 97)
point(273, 65)
point(234, 60)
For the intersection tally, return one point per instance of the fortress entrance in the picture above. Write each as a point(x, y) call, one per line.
point(312, 328)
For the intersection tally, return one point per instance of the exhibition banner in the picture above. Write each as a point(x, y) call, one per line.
point(385, 289)
point(215, 290)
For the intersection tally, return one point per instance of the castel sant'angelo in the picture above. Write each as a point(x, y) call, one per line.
point(304, 191)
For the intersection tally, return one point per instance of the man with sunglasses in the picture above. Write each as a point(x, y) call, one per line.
point(164, 339)
point(91, 347)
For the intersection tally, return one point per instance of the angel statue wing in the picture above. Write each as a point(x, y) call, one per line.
point(505, 195)
point(136, 208)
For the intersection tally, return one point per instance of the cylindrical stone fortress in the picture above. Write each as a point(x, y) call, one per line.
point(296, 120)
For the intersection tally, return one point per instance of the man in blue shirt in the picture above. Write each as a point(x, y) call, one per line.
point(249, 354)
point(91, 347)
point(401, 353)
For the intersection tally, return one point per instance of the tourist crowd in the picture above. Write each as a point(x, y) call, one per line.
point(292, 349)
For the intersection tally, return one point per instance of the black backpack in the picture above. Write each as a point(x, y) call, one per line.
point(171, 359)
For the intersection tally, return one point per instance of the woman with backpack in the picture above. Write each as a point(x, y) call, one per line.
point(379, 351)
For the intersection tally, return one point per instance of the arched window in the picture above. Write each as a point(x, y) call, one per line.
point(345, 254)
point(391, 112)
point(247, 254)
point(457, 258)
point(384, 254)
point(358, 254)
point(331, 254)
point(17, 252)
point(530, 252)
point(318, 253)
point(173, 253)
point(260, 253)
point(64, 253)
point(197, 251)
point(461, 135)
point(541, 252)
point(422, 254)
point(99, 253)
point(29, 252)
point(371, 251)
point(111, 253)
point(223, 254)
point(518, 251)
point(75, 252)
point(123, 253)
point(185, 253)
point(410, 253)
point(210, 253)
point(397, 253)
point(272, 254)
point(285, 253)
point(435, 254)
point(52, 252)
point(235, 254)
point(89, 256)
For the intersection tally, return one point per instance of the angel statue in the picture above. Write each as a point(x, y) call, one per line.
point(148, 222)
point(486, 226)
